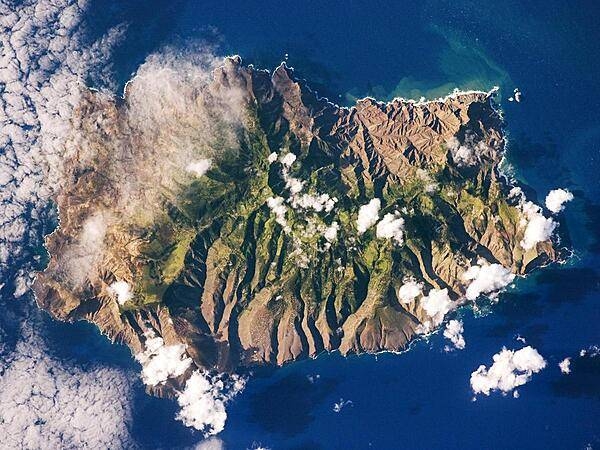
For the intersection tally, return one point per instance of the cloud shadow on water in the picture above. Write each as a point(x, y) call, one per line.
point(287, 407)
point(568, 285)
point(583, 381)
point(592, 211)
point(555, 287)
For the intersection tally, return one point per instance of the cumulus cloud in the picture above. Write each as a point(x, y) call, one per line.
point(485, 278)
point(509, 370)
point(288, 159)
point(48, 403)
point(537, 227)
point(204, 398)
point(391, 226)
point(410, 290)
point(454, 332)
point(161, 362)
point(437, 304)
point(331, 232)
point(368, 215)
point(277, 207)
point(121, 290)
point(272, 157)
point(556, 199)
point(565, 366)
point(317, 202)
point(257, 446)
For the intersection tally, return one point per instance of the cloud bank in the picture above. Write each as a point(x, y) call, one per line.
point(171, 123)
point(49, 403)
point(44, 58)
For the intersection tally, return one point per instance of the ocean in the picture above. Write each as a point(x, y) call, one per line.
point(420, 399)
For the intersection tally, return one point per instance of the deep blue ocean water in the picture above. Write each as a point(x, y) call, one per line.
point(420, 399)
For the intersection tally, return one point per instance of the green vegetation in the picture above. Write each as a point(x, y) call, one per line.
point(221, 224)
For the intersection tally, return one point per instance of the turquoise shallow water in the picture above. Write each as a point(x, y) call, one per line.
point(420, 399)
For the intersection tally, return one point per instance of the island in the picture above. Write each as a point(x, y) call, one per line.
point(274, 225)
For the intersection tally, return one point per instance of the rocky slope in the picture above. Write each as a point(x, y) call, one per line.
point(261, 259)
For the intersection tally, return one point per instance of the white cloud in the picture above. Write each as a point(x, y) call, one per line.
point(462, 155)
point(516, 192)
point(368, 215)
point(272, 157)
point(79, 259)
point(391, 227)
point(591, 352)
point(509, 370)
point(565, 366)
point(257, 446)
point(288, 159)
point(122, 291)
point(278, 208)
point(410, 290)
point(295, 185)
point(204, 398)
point(331, 232)
point(468, 153)
point(212, 443)
point(318, 202)
point(161, 362)
point(437, 304)
point(200, 167)
point(556, 199)
point(485, 278)
point(430, 185)
point(454, 332)
point(47, 403)
point(537, 227)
